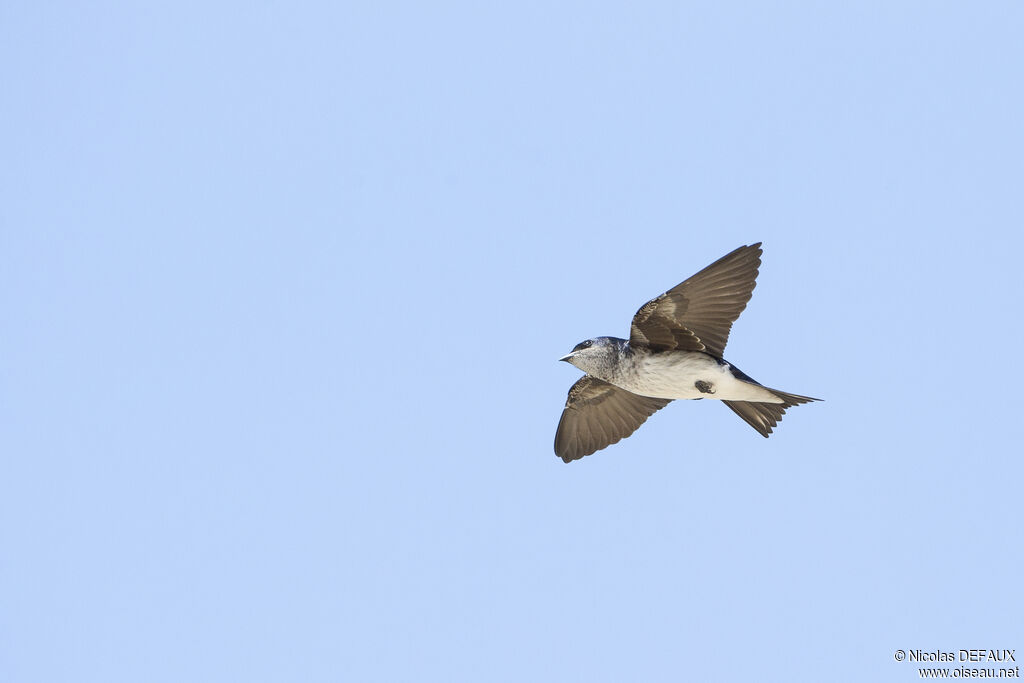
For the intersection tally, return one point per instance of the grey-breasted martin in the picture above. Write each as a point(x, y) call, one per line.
point(674, 351)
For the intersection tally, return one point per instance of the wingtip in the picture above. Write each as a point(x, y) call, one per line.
point(567, 456)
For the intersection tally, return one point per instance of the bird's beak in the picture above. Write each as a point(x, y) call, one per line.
point(567, 357)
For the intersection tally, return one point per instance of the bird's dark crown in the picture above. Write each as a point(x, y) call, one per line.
point(597, 341)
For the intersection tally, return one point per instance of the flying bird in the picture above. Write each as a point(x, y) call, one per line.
point(674, 351)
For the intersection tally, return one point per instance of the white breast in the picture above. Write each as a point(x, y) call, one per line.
point(675, 374)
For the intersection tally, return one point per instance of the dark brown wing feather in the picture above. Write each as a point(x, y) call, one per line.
point(598, 414)
point(697, 315)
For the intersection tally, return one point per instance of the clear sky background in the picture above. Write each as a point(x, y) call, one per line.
point(283, 287)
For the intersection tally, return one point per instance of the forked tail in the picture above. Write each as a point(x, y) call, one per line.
point(765, 416)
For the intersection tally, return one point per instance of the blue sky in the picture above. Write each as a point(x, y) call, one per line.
point(284, 285)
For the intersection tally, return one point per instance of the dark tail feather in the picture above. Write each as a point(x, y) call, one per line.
point(764, 416)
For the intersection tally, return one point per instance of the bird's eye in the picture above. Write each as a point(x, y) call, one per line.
point(584, 345)
point(587, 343)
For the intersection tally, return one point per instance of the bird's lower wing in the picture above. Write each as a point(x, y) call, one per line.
point(598, 414)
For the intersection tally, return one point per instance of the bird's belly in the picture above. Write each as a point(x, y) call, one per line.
point(686, 375)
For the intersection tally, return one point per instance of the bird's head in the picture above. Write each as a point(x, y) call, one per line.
point(594, 356)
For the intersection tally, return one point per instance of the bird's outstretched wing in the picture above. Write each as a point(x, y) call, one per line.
point(598, 414)
point(697, 315)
